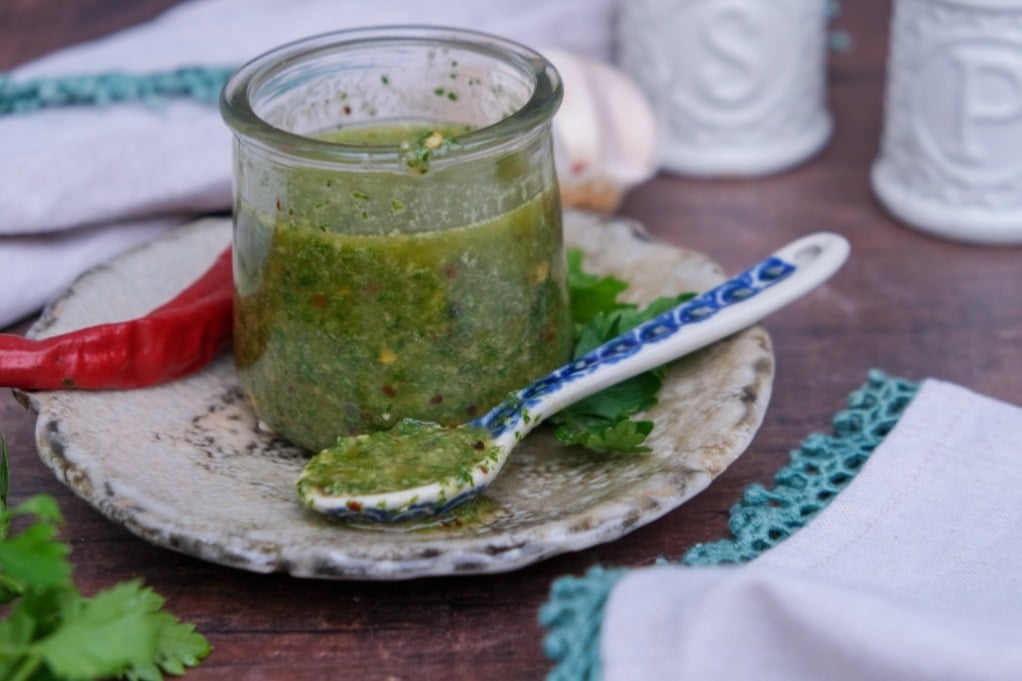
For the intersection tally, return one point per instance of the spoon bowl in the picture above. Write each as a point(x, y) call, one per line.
point(451, 466)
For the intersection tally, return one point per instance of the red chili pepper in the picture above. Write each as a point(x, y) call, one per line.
point(175, 339)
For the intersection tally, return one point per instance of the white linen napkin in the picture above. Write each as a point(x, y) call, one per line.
point(34, 267)
point(914, 571)
point(64, 169)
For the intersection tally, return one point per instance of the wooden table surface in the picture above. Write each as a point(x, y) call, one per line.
point(907, 303)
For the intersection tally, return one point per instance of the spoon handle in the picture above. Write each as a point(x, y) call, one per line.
point(767, 286)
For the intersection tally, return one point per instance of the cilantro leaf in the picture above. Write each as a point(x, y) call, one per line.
point(178, 646)
point(52, 633)
point(590, 294)
point(35, 559)
point(102, 636)
point(122, 631)
point(41, 612)
point(601, 422)
point(633, 316)
point(42, 506)
point(622, 435)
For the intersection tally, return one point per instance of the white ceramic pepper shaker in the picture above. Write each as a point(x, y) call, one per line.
point(950, 161)
point(739, 85)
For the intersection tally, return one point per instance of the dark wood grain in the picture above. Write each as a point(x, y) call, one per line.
point(909, 304)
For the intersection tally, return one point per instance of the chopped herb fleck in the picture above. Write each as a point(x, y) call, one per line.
point(369, 464)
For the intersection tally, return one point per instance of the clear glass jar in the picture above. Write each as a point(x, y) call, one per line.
point(397, 236)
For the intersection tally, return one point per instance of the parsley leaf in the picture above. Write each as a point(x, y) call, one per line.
point(52, 632)
point(178, 646)
point(622, 435)
point(101, 636)
point(590, 294)
point(602, 421)
point(34, 559)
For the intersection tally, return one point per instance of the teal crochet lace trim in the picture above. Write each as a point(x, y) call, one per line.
point(199, 83)
point(821, 467)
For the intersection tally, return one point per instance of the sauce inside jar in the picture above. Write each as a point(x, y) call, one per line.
point(354, 312)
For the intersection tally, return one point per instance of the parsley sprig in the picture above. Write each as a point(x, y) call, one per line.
point(51, 632)
point(603, 422)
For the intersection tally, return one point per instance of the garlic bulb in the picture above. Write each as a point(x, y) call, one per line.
point(605, 133)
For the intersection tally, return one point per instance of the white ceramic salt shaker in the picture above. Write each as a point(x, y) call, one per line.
point(739, 85)
point(950, 161)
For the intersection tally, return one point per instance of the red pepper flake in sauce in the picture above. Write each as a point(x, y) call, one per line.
point(319, 301)
point(436, 399)
point(451, 271)
point(355, 506)
point(480, 445)
point(389, 391)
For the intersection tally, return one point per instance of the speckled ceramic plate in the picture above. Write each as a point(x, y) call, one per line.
point(183, 465)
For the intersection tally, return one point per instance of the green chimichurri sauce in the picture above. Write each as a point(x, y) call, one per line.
point(411, 454)
point(476, 512)
point(470, 516)
point(353, 312)
point(419, 143)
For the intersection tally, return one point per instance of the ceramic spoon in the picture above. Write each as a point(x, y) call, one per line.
point(742, 301)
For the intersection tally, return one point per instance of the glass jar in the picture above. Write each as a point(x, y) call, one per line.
point(397, 229)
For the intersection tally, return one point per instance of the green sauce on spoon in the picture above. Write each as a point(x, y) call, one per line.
point(421, 469)
point(412, 454)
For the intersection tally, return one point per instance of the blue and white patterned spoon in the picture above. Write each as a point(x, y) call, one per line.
point(488, 441)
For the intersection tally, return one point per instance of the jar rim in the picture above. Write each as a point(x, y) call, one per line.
point(237, 110)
